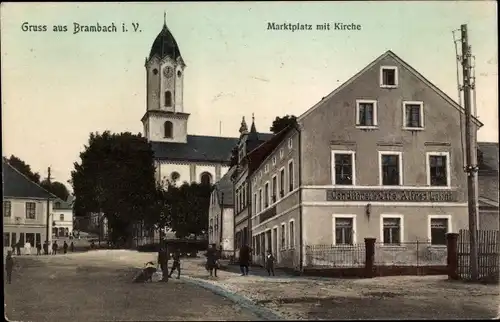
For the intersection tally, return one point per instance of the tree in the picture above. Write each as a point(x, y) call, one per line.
point(184, 208)
point(280, 123)
point(116, 177)
point(24, 168)
point(56, 188)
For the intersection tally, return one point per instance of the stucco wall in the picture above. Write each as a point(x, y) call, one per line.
point(332, 126)
point(319, 221)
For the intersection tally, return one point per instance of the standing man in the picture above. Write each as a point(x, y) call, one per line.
point(65, 247)
point(244, 259)
point(38, 248)
point(54, 248)
point(163, 262)
point(18, 248)
point(46, 247)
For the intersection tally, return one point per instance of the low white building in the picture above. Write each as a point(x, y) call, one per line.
point(221, 214)
point(62, 218)
point(24, 209)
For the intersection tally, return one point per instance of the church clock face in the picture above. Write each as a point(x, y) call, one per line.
point(167, 71)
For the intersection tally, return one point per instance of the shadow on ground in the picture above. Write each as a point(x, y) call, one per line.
point(79, 289)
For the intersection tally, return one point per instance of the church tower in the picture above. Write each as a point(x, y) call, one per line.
point(165, 120)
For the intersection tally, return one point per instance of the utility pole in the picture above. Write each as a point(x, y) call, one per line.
point(470, 157)
point(47, 231)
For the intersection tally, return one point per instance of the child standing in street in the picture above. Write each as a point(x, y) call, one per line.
point(9, 266)
point(177, 263)
point(270, 263)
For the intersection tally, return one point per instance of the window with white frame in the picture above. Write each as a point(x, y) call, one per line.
point(7, 209)
point(390, 168)
point(61, 217)
point(30, 210)
point(392, 230)
point(266, 168)
point(413, 113)
point(274, 160)
point(366, 113)
point(274, 189)
point(344, 230)
point(282, 183)
point(260, 173)
point(388, 76)
point(343, 168)
point(439, 229)
point(260, 200)
point(291, 234)
point(291, 182)
point(282, 239)
point(282, 153)
point(266, 194)
point(290, 143)
point(438, 169)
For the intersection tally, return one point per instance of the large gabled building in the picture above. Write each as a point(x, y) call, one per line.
point(24, 208)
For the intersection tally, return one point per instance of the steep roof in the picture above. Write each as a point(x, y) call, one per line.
point(17, 185)
point(259, 154)
point(199, 148)
point(389, 53)
point(165, 45)
point(225, 186)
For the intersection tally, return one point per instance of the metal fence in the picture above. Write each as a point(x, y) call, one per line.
point(331, 256)
point(416, 253)
point(488, 254)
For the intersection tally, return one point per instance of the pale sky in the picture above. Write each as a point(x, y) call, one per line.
point(59, 87)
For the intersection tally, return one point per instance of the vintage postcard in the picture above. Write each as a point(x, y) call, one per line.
point(250, 160)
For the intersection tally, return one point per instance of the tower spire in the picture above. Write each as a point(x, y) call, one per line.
point(164, 18)
point(253, 129)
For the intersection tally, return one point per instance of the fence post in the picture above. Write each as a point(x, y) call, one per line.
point(452, 255)
point(370, 256)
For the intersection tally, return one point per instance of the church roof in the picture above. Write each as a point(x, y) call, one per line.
point(17, 185)
point(200, 148)
point(165, 45)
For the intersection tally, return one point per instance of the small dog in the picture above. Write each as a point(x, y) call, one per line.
point(146, 275)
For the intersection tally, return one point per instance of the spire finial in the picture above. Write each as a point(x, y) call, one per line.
point(253, 117)
point(164, 17)
point(243, 127)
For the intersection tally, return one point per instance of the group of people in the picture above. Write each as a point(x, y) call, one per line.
point(16, 248)
point(163, 257)
point(213, 255)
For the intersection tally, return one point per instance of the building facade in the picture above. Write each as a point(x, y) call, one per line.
point(24, 209)
point(249, 141)
point(62, 219)
point(380, 157)
point(221, 214)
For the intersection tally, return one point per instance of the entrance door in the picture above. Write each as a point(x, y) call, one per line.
point(30, 237)
point(268, 240)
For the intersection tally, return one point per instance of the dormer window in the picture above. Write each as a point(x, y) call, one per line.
point(290, 143)
point(282, 153)
point(274, 160)
point(266, 168)
point(388, 77)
